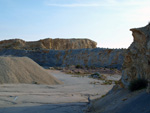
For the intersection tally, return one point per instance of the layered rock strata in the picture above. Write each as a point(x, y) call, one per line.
point(137, 59)
point(55, 44)
point(97, 57)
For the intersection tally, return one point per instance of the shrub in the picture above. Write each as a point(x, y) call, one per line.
point(78, 66)
point(86, 66)
point(97, 74)
point(34, 82)
point(107, 82)
point(138, 84)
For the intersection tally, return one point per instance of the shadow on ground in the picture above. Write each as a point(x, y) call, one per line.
point(48, 108)
point(123, 101)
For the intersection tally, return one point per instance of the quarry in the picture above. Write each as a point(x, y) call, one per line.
point(74, 76)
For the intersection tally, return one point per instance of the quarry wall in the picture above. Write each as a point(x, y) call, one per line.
point(96, 57)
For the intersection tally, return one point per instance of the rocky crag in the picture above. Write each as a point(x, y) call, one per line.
point(97, 57)
point(55, 44)
point(136, 65)
point(137, 59)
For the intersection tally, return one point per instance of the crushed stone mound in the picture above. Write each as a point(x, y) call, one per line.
point(24, 70)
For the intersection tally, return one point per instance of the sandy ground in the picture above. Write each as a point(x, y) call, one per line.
point(24, 70)
point(71, 97)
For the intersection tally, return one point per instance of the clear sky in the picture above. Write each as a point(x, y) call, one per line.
point(105, 21)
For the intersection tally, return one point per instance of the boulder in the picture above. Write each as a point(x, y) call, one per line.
point(96, 75)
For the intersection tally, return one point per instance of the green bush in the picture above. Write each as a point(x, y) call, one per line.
point(138, 84)
point(78, 66)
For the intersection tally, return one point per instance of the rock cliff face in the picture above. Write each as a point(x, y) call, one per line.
point(97, 57)
point(109, 58)
point(137, 59)
point(64, 52)
point(55, 44)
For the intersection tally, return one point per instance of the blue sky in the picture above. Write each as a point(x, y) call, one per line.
point(105, 21)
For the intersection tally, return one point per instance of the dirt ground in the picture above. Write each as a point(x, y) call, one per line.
point(71, 97)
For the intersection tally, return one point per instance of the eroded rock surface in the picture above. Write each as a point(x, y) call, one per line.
point(64, 52)
point(55, 44)
point(96, 57)
point(137, 59)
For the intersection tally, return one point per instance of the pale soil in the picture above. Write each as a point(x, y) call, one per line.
point(14, 70)
point(71, 97)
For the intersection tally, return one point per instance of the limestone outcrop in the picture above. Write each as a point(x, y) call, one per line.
point(55, 44)
point(137, 58)
point(97, 57)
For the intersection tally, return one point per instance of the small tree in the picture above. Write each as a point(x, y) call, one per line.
point(138, 84)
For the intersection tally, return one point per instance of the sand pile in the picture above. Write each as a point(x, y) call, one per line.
point(24, 70)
